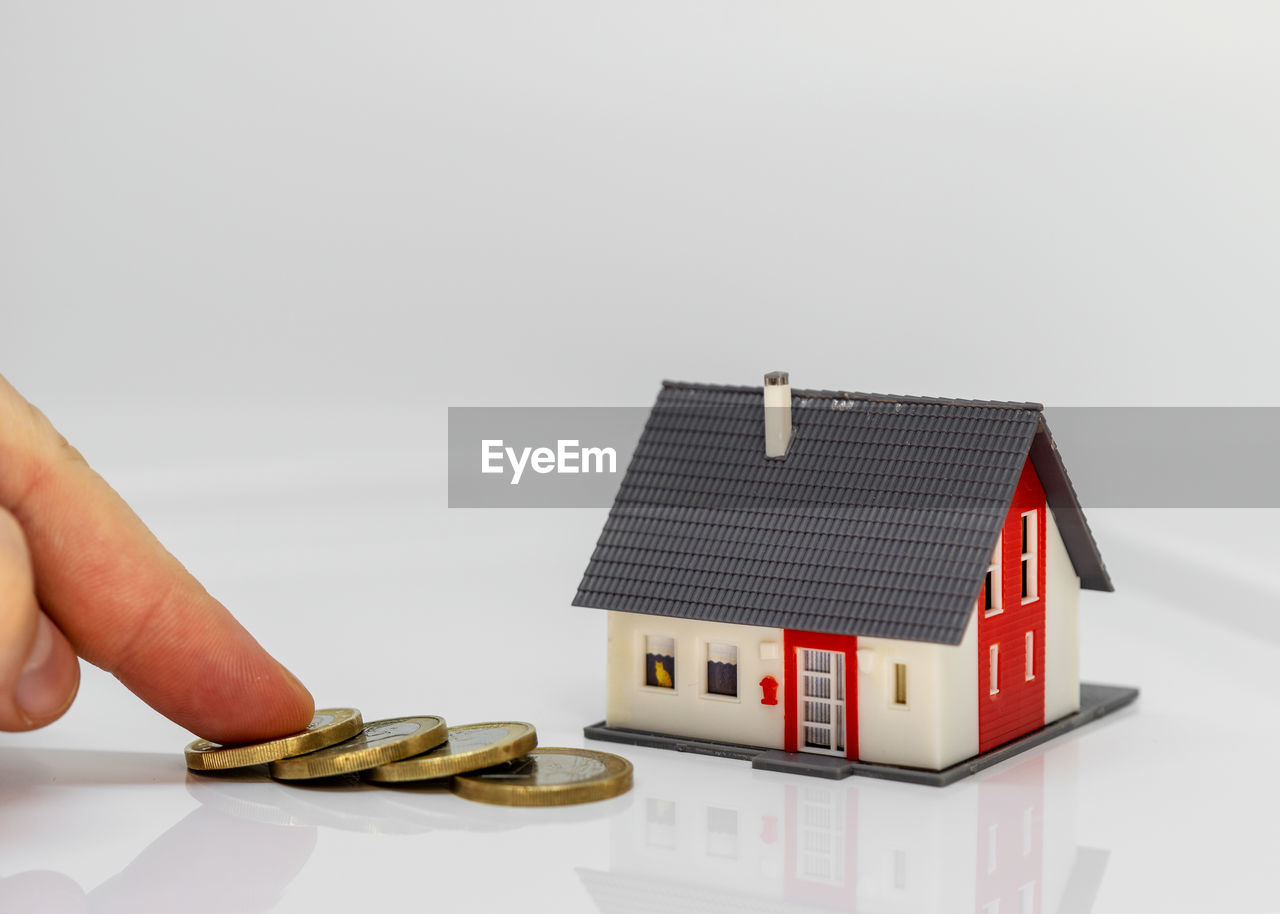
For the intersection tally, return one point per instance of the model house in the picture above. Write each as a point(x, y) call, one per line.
point(885, 579)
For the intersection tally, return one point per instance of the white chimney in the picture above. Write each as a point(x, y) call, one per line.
point(777, 413)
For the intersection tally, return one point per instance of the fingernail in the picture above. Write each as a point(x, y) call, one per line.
point(42, 686)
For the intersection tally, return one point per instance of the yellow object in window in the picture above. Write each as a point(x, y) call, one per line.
point(660, 673)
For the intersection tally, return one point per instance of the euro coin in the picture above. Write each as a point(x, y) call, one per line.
point(329, 726)
point(378, 743)
point(469, 748)
point(548, 777)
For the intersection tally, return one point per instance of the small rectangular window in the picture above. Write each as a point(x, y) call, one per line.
point(1031, 655)
point(994, 664)
point(899, 683)
point(722, 832)
point(1028, 562)
point(992, 598)
point(1027, 899)
point(660, 661)
point(660, 823)
point(722, 669)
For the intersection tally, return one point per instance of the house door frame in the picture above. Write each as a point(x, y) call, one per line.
point(795, 643)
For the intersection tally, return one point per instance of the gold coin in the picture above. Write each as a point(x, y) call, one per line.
point(469, 748)
point(329, 726)
point(548, 777)
point(380, 742)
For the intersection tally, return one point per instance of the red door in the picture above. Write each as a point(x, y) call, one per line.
point(821, 706)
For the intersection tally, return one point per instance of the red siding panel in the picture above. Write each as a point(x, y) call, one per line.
point(1018, 707)
point(1010, 839)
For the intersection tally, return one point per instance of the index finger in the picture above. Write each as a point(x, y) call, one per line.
point(125, 603)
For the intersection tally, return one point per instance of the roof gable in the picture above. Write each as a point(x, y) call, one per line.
point(880, 521)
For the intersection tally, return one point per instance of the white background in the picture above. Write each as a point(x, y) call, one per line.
point(250, 253)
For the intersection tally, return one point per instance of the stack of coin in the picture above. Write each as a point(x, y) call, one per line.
point(491, 763)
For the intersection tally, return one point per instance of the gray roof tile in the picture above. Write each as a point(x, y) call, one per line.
point(880, 520)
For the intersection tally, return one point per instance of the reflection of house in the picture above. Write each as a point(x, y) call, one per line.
point(703, 842)
point(895, 581)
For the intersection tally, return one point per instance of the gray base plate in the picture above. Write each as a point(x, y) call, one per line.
point(1095, 701)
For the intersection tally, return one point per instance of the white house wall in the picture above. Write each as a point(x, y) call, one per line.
point(939, 725)
point(1059, 829)
point(1061, 629)
point(686, 709)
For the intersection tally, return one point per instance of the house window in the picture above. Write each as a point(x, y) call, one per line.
point(991, 598)
point(994, 665)
point(660, 661)
point(900, 684)
point(1027, 899)
point(1031, 655)
point(722, 832)
point(899, 870)
point(1029, 529)
point(722, 669)
point(660, 823)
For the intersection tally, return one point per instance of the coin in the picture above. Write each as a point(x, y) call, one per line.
point(380, 742)
point(548, 777)
point(329, 726)
point(469, 748)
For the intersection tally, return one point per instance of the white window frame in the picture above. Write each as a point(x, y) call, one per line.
point(1031, 655)
point(993, 669)
point(675, 659)
point(892, 691)
point(995, 595)
point(1028, 560)
point(730, 839)
point(737, 669)
point(662, 835)
point(1027, 898)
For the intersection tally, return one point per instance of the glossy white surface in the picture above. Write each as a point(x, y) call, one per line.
point(350, 568)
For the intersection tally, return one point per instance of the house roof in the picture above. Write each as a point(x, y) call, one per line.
point(880, 521)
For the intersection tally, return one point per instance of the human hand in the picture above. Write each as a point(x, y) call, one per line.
point(81, 574)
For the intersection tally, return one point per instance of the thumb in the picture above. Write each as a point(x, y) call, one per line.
point(39, 673)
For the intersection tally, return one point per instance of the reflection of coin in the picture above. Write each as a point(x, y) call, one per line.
point(380, 742)
point(548, 777)
point(469, 748)
point(332, 725)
